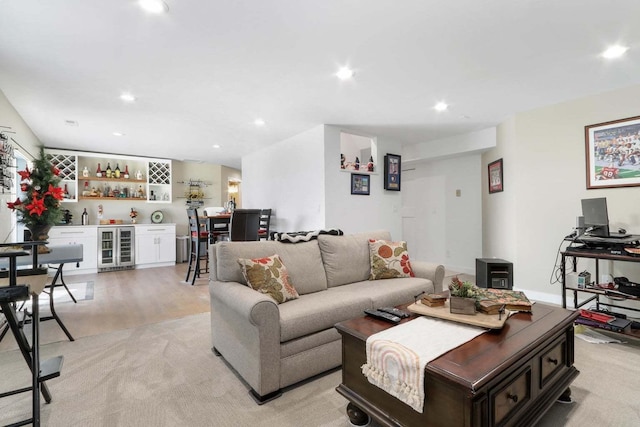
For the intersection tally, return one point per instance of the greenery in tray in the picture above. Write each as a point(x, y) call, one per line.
point(463, 289)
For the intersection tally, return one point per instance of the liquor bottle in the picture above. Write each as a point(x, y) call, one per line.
point(85, 172)
point(66, 192)
point(108, 174)
point(370, 164)
point(116, 172)
point(126, 172)
point(357, 165)
point(86, 191)
point(99, 171)
point(85, 217)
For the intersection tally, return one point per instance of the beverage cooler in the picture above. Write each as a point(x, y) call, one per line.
point(116, 248)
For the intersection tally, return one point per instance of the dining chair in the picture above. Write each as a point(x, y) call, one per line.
point(199, 237)
point(265, 224)
point(245, 224)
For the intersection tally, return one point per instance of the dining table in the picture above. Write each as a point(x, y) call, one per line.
point(218, 225)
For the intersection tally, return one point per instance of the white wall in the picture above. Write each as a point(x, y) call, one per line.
point(438, 225)
point(473, 142)
point(288, 177)
point(355, 213)
point(300, 178)
point(544, 162)
point(498, 208)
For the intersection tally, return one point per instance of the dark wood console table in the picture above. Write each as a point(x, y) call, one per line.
point(508, 377)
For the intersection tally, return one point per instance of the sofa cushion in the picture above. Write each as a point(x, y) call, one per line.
point(346, 258)
point(384, 293)
point(303, 261)
point(318, 311)
point(269, 276)
point(389, 260)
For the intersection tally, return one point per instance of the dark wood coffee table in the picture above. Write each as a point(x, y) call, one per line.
point(505, 377)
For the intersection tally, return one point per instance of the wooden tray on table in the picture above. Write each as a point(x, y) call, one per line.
point(490, 321)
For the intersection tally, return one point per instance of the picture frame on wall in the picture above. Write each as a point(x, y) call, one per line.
point(496, 183)
point(612, 153)
point(392, 172)
point(360, 184)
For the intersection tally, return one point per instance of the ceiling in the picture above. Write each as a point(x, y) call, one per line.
point(206, 70)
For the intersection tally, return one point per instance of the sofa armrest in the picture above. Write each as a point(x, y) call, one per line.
point(244, 301)
point(431, 271)
point(245, 329)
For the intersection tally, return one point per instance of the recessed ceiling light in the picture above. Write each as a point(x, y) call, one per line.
point(154, 6)
point(259, 122)
point(345, 73)
point(118, 134)
point(441, 106)
point(615, 51)
point(216, 145)
point(127, 97)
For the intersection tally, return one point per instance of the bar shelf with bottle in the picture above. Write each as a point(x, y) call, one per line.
point(133, 189)
point(86, 176)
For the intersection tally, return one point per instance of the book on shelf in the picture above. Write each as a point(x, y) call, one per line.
point(490, 301)
point(616, 325)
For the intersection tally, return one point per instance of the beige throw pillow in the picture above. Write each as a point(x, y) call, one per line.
point(389, 260)
point(269, 276)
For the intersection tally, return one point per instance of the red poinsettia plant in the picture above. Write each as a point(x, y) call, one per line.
point(40, 204)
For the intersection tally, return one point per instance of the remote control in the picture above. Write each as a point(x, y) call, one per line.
point(383, 316)
point(395, 311)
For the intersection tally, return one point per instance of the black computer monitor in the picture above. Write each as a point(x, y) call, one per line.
point(596, 218)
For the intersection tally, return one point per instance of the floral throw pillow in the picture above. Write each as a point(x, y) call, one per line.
point(269, 276)
point(389, 260)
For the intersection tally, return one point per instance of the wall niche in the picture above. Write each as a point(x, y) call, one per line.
point(358, 153)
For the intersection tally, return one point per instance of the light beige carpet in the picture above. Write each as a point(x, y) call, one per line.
point(164, 374)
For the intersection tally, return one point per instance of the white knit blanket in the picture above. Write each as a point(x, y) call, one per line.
point(397, 357)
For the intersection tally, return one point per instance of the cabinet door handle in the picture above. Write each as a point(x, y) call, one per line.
point(72, 232)
point(512, 397)
point(554, 361)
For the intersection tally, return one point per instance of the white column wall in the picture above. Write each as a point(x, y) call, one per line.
point(288, 177)
point(354, 213)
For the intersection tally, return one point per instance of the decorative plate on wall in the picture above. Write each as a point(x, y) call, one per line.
point(157, 217)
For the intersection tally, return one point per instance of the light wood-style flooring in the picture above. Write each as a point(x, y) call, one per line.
point(125, 299)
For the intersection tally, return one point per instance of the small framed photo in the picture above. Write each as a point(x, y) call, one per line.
point(392, 164)
point(360, 184)
point(495, 177)
point(612, 152)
